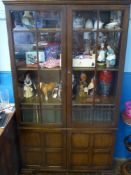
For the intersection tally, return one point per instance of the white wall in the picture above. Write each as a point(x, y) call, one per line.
point(128, 51)
point(4, 49)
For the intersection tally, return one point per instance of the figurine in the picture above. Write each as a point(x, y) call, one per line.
point(83, 79)
point(89, 24)
point(111, 57)
point(47, 87)
point(78, 22)
point(90, 88)
point(100, 24)
point(27, 19)
point(57, 91)
point(81, 91)
point(28, 87)
point(101, 55)
point(83, 84)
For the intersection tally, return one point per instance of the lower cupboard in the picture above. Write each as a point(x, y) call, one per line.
point(66, 150)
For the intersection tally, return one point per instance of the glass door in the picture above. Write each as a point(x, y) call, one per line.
point(39, 58)
point(94, 58)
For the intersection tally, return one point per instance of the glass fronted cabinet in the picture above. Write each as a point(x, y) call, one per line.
point(39, 58)
point(67, 60)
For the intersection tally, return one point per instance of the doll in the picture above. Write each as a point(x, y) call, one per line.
point(28, 87)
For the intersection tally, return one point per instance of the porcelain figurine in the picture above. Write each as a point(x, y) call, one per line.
point(57, 91)
point(83, 79)
point(101, 55)
point(28, 87)
point(89, 24)
point(90, 88)
point(47, 87)
point(100, 24)
point(113, 25)
point(78, 22)
point(111, 57)
point(27, 19)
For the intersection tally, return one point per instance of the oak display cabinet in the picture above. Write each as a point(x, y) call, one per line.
point(67, 59)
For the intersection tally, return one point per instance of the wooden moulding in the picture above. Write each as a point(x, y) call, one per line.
point(117, 2)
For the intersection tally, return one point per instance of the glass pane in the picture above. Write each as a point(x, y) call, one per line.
point(111, 19)
point(108, 53)
point(49, 49)
point(30, 115)
point(93, 114)
point(28, 87)
point(83, 53)
point(48, 19)
point(85, 19)
point(51, 114)
point(25, 53)
point(106, 87)
point(23, 20)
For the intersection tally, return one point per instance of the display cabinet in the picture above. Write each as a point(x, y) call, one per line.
point(67, 60)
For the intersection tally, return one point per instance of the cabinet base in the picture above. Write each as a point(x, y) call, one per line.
point(43, 172)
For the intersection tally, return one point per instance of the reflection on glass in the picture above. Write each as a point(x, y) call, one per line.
point(25, 54)
point(23, 20)
point(51, 87)
point(85, 19)
point(111, 19)
point(83, 87)
point(48, 19)
point(84, 49)
point(108, 49)
point(30, 115)
point(51, 115)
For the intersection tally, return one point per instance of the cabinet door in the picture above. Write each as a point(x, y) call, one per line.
point(90, 149)
point(38, 35)
point(45, 149)
point(95, 61)
point(79, 150)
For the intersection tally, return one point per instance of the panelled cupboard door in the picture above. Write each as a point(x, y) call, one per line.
point(38, 57)
point(90, 149)
point(95, 38)
point(46, 149)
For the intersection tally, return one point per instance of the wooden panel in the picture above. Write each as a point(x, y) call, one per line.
point(54, 140)
point(102, 159)
point(103, 140)
point(80, 141)
point(54, 159)
point(31, 158)
point(79, 159)
point(30, 139)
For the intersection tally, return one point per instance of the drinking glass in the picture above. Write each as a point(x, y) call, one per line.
point(4, 98)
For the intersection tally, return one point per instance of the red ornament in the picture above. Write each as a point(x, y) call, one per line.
point(105, 76)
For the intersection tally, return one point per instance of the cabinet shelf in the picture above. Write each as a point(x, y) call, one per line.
point(96, 30)
point(24, 68)
point(98, 100)
point(83, 68)
point(93, 69)
point(104, 68)
point(39, 30)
